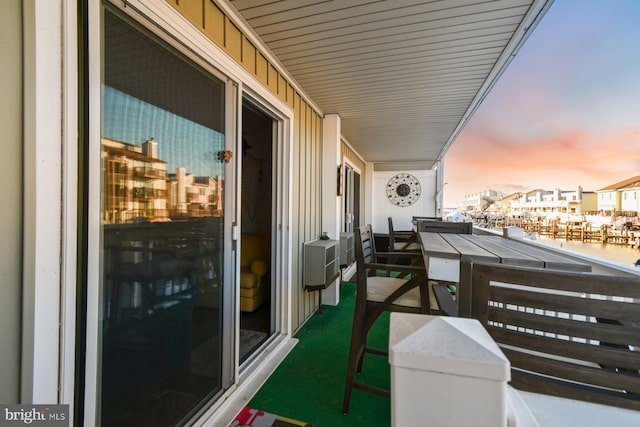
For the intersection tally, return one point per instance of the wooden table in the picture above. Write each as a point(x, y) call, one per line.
point(442, 253)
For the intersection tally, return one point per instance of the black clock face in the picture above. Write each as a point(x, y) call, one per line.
point(403, 189)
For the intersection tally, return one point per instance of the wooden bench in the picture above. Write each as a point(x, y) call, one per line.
point(566, 334)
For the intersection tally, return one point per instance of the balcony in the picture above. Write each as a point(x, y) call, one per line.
point(144, 193)
point(149, 172)
point(309, 384)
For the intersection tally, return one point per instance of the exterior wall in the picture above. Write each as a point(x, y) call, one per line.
point(307, 137)
point(402, 216)
point(609, 200)
point(589, 202)
point(11, 207)
point(347, 152)
point(630, 200)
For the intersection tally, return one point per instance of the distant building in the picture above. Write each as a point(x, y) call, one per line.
point(622, 196)
point(194, 196)
point(479, 202)
point(536, 202)
point(138, 187)
point(555, 202)
point(503, 206)
point(135, 182)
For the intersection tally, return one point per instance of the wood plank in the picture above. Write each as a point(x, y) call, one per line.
point(573, 372)
point(507, 255)
point(468, 249)
point(601, 355)
point(551, 260)
point(618, 310)
point(557, 280)
point(434, 245)
point(613, 334)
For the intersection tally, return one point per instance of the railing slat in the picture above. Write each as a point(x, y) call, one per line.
point(586, 330)
point(558, 280)
point(597, 354)
point(573, 372)
point(626, 312)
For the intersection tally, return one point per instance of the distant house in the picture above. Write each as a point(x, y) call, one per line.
point(620, 197)
point(554, 202)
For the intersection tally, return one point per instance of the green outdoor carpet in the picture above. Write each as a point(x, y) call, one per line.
point(309, 384)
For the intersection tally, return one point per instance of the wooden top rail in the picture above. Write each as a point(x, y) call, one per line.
point(467, 248)
point(506, 254)
point(550, 259)
point(566, 334)
point(433, 244)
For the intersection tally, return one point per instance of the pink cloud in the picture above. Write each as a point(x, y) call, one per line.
point(481, 159)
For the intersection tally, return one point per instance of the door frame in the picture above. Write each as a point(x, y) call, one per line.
point(281, 203)
point(161, 18)
point(349, 167)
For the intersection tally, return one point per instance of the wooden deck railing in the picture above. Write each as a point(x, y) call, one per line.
point(574, 335)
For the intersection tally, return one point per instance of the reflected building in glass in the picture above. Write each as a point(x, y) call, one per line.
point(137, 187)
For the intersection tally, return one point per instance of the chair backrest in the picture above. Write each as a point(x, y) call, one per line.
point(445, 227)
point(364, 237)
point(427, 218)
point(364, 248)
point(392, 237)
point(567, 334)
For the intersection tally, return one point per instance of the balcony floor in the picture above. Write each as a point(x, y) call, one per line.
point(309, 384)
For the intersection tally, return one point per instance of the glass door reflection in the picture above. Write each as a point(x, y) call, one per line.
point(163, 184)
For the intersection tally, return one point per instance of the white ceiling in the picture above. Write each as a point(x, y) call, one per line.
point(404, 75)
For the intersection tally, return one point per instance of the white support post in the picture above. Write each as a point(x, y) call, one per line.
point(446, 371)
point(44, 24)
point(330, 198)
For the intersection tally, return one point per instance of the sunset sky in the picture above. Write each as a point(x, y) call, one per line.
point(566, 113)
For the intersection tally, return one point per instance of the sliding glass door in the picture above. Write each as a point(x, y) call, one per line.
point(165, 249)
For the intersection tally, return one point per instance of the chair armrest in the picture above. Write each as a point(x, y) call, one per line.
point(259, 267)
point(398, 254)
point(396, 267)
point(444, 299)
point(404, 234)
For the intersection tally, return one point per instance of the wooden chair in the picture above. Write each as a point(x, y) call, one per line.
point(566, 334)
point(446, 304)
point(402, 240)
point(427, 218)
point(400, 288)
point(444, 227)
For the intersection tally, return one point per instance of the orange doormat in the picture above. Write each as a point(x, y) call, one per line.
point(250, 417)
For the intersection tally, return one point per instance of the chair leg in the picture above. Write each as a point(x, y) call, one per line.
point(364, 351)
point(356, 350)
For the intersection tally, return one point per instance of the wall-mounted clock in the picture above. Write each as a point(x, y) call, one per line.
point(403, 189)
